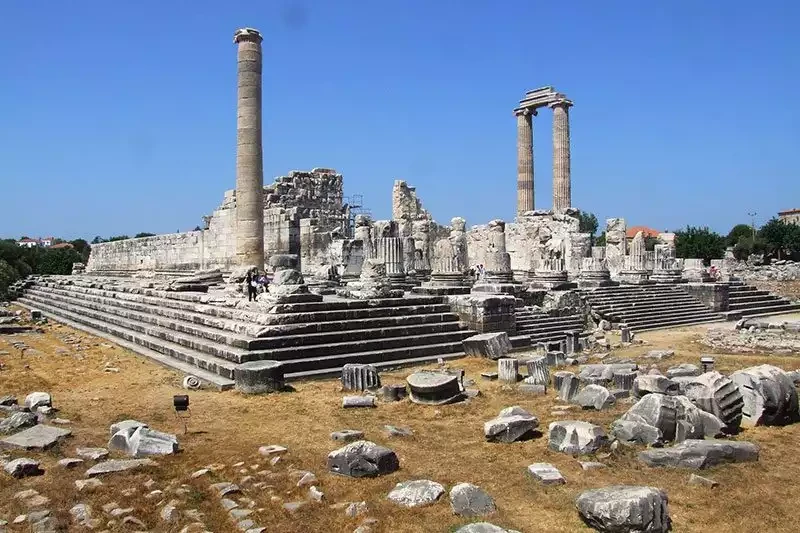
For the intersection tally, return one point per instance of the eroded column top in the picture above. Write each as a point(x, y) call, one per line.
point(251, 35)
point(561, 102)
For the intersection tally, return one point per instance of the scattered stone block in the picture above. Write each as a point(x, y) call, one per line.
point(360, 377)
point(358, 401)
point(141, 441)
point(434, 388)
point(659, 354)
point(394, 431)
point(769, 395)
point(591, 465)
point(488, 345)
point(556, 358)
point(576, 437)
point(470, 500)
point(93, 454)
point(416, 493)
point(546, 474)
point(696, 480)
point(8, 400)
point(653, 384)
point(538, 373)
point(594, 397)
point(87, 484)
point(38, 399)
point(483, 527)
point(315, 494)
point(225, 488)
point(675, 416)
point(118, 465)
point(39, 437)
point(272, 449)
point(394, 392)
point(631, 432)
point(569, 387)
point(683, 370)
point(259, 377)
point(22, 467)
point(491, 376)
point(625, 508)
point(123, 425)
point(716, 394)
point(69, 462)
point(17, 421)
point(512, 424)
point(536, 390)
point(508, 370)
point(624, 379)
point(347, 435)
point(699, 454)
point(363, 459)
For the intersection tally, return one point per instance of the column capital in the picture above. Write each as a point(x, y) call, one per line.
point(525, 111)
point(250, 35)
point(561, 102)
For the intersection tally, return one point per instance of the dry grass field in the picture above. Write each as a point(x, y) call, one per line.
point(447, 446)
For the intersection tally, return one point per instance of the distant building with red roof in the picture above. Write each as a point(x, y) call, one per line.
point(648, 232)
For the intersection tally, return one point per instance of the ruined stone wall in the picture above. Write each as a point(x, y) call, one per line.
point(532, 236)
point(288, 200)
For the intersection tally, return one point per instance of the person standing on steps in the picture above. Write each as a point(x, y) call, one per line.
point(252, 285)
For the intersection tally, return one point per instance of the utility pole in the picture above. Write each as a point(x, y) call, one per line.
point(753, 224)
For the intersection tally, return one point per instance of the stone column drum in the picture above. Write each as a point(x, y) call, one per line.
point(562, 187)
point(391, 249)
point(249, 155)
point(525, 187)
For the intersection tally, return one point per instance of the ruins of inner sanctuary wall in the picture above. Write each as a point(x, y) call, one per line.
point(300, 204)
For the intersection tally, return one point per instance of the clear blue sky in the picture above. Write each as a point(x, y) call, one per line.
point(119, 117)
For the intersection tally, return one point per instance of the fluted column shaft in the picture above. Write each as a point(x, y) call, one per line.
point(525, 160)
point(249, 154)
point(562, 186)
point(391, 249)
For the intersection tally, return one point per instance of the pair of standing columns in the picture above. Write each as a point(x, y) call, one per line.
point(562, 188)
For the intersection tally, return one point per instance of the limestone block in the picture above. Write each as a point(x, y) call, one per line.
point(576, 437)
point(569, 387)
point(363, 459)
point(469, 500)
point(488, 345)
point(512, 424)
point(625, 508)
point(39, 437)
point(648, 383)
point(632, 432)
point(22, 467)
point(716, 394)
point(257, 377)
point(546, 474)
point(538, 373)
point(769, 396)
point(699, 454)
point(434, 388)
point(508, 370)
point(360, 377)
point(416, 493)
point(594, 397)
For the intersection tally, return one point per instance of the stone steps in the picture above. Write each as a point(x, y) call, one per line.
point(749, 301)
point(197, 333)
point(546, 329)
point(649, 306)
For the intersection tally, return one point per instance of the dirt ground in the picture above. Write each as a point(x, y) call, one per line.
point(447, 446)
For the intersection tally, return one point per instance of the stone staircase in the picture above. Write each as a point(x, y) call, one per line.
point(541, 327)
point(645, 307)
point(750, 301)
point(192, 333)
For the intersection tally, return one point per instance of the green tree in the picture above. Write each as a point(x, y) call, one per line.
point(98, 239)
point(144, 234)
point(739, 231)
point(58, 261)
point(82, 247)
point(8, 275)
point(780, 239)
point(588, 223)
point(118, 238)
point(699, 243)
point(650, 243)
point(601, 240)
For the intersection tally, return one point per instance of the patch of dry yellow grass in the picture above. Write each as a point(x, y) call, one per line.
point(447, 447)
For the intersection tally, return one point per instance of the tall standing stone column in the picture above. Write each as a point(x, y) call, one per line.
point(562, 186)
point(249, 155)
point(525, 160)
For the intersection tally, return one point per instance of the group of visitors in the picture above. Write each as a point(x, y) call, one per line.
point(477, 272)
point(256, 283)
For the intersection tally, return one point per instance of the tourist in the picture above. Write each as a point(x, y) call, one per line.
point(252, 285)
point(263, 282)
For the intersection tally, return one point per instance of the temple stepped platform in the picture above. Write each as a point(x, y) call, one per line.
point(195, 333)
point(543, 328)
point(645, 307)
point(751, 302)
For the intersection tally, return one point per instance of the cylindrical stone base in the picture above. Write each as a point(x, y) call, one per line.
point(508, 370)
point(624, 380)
point(558, 378)
point(569, 388)
point(538, 373)
point(434, 388)
point(257, 377)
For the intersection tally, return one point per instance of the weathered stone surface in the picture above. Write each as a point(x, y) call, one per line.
point(716, 394)
point(416, 493)
point(576, 437)
point(653, 384)
point(701, 481)
point(347, 435)
point(675, 416)
point(546, 473)
point(38, 399)
point(508, 369)
point(142, 441)
point(70, 462)
point(631, 432)
point(483, 527)
point(118, 465)
point(659, 354)
point(700, 454)
point(87, 485)
point(258, 377)
point(512, 424)
point(470, 500)
point(124, 424)
point(93, 454)
point(489, 345)
point(22, 467)
point(395, 431)
point(594, 397)
point(394, 392)
point(683, 369)
point(39, 437)
point(569, 386)
point(769, 395)
point(358, 401)
point(538, 373)
point(360, 377)
point(363, 459)
point(620, 509)
point(16, 422)
point(434, 388)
